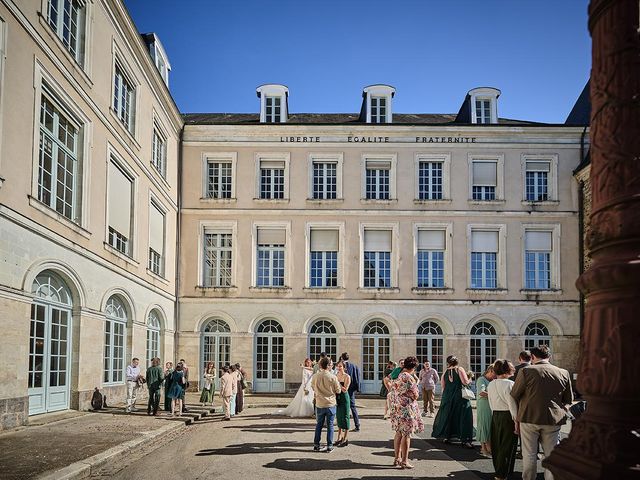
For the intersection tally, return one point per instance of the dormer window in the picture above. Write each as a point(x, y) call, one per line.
point(273, 103)
point(484, 105)
point(158, 55)
point(376, 104)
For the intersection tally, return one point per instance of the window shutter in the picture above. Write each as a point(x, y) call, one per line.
point(484, 242)
point(538, 166)
point(156, 229)
point(272, 164)
point(324, 240)
point(540, 241)
point(377, 240)
point(378, 165)
point(119, 200)
point(431, 240)
point(484, 173)
point(272, 236)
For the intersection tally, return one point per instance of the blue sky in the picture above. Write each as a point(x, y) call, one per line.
point(537, 52)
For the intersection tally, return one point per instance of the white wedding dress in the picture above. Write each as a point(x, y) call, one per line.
point(302, 403)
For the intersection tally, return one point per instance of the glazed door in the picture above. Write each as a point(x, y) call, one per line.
point(375, 355)
point(269, 371)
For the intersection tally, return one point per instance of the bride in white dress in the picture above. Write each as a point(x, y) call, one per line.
point(302, 403)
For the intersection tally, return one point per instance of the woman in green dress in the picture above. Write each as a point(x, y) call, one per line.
point(344, 406)
point(168, 371)
point(483, 412)
point(384, 390)
point(455, 417)
point(209, 387)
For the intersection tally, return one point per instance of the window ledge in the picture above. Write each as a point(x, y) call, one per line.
point(440, 201)
point(378, 290)
point(528, 203)
point(487, 291)
point(486, 202)
point(157, 277)
point(118, 253)
point(431, 291)
point(550, 291)
point(223, 290)
point(375, 201)
point(38, 205)
point(159, 176)
point(218, 201)
point(324, 290)
point(271, 200)
point(325, 201)
point(281, 290)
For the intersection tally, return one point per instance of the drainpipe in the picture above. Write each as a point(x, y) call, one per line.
point(177, 251)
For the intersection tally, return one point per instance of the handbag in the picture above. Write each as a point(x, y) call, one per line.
point(467, 393)
point(243, 382)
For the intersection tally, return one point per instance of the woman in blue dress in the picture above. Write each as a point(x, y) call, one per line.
point(177, 389)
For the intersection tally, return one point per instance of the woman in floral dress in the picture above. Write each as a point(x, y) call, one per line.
point(405, 413)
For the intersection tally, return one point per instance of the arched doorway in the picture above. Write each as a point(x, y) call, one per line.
point(215, 345)
point(153, 336)
point(430, 345)
point(535, 334)
point(322, 338)
point(269, 371)
point(49, 345)
point(483, 347)
point(376, 351)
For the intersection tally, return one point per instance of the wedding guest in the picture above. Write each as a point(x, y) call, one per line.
point(242, 384)
point(455, 417)
point(542, 392)
point(395, 373)
point(525, 361)
point(384, 389)
point(234, 389)
point(483, 411)
point(133, 375)
point(176, 393)
point(325, 385)
point(354, 372)
point(405, 412)
point(185, 370)
point(428, 380)
point(209, 386)
point(343, 405)
point(504, 428)
point(154, 378)
point(316, 366)
point(168, 371)
point(226, 390)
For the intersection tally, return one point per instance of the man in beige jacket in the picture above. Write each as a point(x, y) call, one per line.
point(325, 386)
point(226, 390)
point(542, 392)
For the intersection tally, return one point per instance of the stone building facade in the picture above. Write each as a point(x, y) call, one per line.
point(88, 203)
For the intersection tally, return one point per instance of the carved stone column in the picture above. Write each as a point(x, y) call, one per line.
point(605, 442)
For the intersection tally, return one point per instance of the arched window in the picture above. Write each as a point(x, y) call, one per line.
point(484, 347)
point(49, 345)
point(430, 344)
point(536, 334)
point(153, 335)
point(322, 338)
point(269, 375)
point(115, 336)
point(216, 343)
point(376, 352)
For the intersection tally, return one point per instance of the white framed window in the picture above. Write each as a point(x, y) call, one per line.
point(153, 335)
point(324, 261)
point(272, 176)
point(378, 255)
point(377, 100)
point(273, 103)
point(486, 178)
point(270, 255)
point(159, 151)
point(379, 177)
point(541, 258)
point(120, 207)
point(219, 173)
point(483, 347)
point(323, 337)
point(430, 344)
point(115, 338)
point(378, 109)
point(59, 158)
point(536, 334)
point(325, 176)
point(273, 109)
point(539, 174)
point(67, 18)
point(432, 176)
point(486, 260)
point(483, 110)
point(483, 103)
point(432, 259)
point(157, 235)
point(124, 97)
point(217, 254)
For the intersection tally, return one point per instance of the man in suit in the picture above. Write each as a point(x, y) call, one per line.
point(543, 392)
point(525, 361)
point(354, 372)
point(226, 390)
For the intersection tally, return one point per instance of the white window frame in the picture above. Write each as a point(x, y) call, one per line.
point(548, 339)
point(219, 157)
point(286, 226)
point(445, 159)
point(484, 93)
point(374, 102)
point(84, 25)
point(501, 257)
point(273, 90)
point(395, 239)
point(338, 159)
point(447, 228)
point(217, 227)
point(119, 62)
point(379, 91)
point(283, 156)
point(498, 159)
point(555, 265)
point(127, 322)
point(154, 202)
point(162, 133)
point(154, 331)
point(387, 157)
point(340, 227)
point(552, 178)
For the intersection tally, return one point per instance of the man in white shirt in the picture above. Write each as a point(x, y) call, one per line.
point(133, 374)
